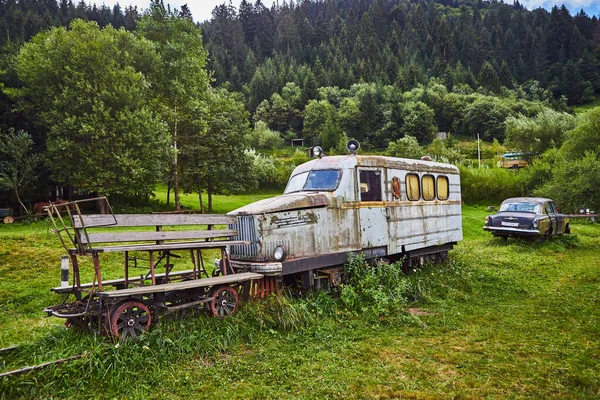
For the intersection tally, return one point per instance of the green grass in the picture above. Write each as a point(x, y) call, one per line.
point(221, 203)
point(516, 319)
point(588, 106)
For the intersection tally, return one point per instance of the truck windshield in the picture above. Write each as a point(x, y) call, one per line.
point(316, 180)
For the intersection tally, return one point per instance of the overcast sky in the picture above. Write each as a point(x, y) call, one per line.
point(202, 9)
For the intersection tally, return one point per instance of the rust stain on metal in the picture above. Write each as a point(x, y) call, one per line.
point(286, 202)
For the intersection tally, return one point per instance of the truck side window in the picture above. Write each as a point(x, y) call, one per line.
point(428, 183)
point(443, 187)
point(413, 190)
point(370, 186)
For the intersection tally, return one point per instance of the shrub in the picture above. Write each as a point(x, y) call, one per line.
point(575, 184)
point(373, 290)
point(263, 138)
point(483, 185)
point(264, 170)
point(407, 147)
point(440, 152)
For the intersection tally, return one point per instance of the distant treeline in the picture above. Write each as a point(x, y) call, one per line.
point(20, 20)
point(341, 42)
point(258, 49)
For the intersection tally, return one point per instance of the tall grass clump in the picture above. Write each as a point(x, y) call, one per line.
point(481, 185)
point(439, 282)
point(279, 313)
point(373, 290)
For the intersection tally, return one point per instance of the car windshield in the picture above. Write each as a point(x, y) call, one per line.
point(522, 207)
point(317, 180)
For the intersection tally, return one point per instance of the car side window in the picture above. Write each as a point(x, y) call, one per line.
point(548, 208)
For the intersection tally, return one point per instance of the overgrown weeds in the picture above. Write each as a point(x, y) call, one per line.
point(498, 319)
point(373, 290)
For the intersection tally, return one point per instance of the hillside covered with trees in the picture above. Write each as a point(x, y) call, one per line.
point(112, 101)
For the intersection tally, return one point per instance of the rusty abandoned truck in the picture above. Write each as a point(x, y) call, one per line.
point(332, 207)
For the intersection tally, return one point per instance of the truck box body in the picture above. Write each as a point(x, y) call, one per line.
point(338, 205)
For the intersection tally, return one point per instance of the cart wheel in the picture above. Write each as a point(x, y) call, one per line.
point(128, 320)
point(224, 302)
point(8, 220)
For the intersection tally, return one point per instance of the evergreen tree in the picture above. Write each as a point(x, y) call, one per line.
point(488, 78)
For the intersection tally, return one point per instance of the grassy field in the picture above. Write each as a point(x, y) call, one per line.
point(588, 106)
point(514, 319)
point(221, 203)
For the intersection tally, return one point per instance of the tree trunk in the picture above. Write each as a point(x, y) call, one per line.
point(200, 196)
point(175, 167)
point(209, 192)
point(20, 201)
point(101, 206)
point(169, 187)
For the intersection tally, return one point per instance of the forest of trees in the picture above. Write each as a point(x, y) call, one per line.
point(152, 96)
point(402, 43)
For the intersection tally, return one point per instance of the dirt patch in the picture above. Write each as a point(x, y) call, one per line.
point(418, 312)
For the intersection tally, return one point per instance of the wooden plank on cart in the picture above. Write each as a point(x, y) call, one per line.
point(120, 281)
point(131, 220)
point(170, 287)
point(154, 236)
point(170, 246)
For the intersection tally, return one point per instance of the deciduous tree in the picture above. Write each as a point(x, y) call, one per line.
point(89, 88)
point(182, 79)
point(17, 162)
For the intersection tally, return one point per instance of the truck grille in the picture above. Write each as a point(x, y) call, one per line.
point(247, 231)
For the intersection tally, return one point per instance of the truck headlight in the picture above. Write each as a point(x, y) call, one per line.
point(279, 253)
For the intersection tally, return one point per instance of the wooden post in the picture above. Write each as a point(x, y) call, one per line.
point(152, 271)
point(76, 276)
point(126, 269)
point(97, 269)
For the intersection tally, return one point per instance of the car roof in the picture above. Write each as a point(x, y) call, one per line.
point(539, 200)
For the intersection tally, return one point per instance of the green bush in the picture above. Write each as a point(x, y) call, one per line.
point(264, 170)
point(485, 185)
point(406, 147)
point(575, 184)
point(373, 290)
point(262, 137)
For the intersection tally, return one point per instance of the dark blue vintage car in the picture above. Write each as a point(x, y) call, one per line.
point(527, 217)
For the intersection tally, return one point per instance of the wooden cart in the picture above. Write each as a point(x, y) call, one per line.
point(126, 307)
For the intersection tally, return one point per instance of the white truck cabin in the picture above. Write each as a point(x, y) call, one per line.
point(334, 206)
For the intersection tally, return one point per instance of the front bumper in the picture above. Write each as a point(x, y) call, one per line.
point(505, 231)
point(266, 268)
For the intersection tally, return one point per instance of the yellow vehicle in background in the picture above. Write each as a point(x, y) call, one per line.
point(512, 160)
